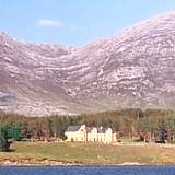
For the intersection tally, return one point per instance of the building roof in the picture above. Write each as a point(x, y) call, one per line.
point(88, 129)
point(73, 128)
point(101, 130)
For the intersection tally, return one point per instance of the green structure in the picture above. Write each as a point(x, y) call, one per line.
point(7, 135)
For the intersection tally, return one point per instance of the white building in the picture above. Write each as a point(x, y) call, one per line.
point(76, 133)
point(83, 134)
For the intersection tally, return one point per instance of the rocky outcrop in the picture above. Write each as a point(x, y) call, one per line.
point(134, 69)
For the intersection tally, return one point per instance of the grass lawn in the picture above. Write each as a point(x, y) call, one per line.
point(88, 153)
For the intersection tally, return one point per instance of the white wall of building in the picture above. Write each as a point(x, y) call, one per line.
point(78, 136)
point(108, 136)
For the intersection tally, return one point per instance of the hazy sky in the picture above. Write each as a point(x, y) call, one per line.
point(74, 22)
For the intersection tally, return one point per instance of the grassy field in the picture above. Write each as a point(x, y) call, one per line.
point(79, 153)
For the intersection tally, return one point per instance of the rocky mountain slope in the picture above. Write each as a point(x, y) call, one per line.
point(134, 69)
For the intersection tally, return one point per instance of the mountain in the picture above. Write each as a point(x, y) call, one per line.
point(133, 69)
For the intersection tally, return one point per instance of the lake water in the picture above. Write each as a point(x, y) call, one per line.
point(75, 170)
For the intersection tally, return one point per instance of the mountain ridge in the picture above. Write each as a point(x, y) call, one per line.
point(134, 69)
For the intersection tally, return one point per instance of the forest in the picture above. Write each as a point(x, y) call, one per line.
point(134, 124)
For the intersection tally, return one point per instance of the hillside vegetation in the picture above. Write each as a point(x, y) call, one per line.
point(128, 123)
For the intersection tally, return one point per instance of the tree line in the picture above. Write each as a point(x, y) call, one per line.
point(130, 123)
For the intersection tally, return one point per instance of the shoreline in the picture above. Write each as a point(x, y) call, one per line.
point(23, 163)
point(61, 163)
